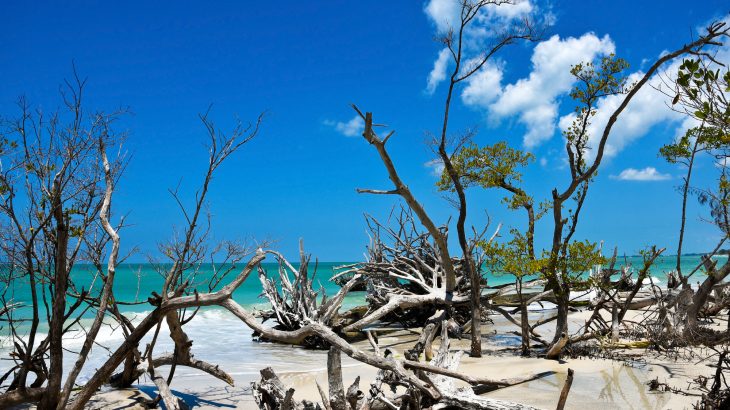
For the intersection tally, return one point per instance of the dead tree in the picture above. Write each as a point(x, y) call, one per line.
point(404, 272)
point(271, 394)
point(580, 170)
point(298, 303)
point(186, 254)
point(54, 186)
point(611, 300)
point(442, 289)
point(454, 42)
point(447, 278)
point(61, 172)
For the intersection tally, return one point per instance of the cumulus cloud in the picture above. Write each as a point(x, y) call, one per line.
point(446, 15)
point(534, 100)
point(646, 174)
point(483, 87)
point(438, 73)
point(436, 166)
point(646, 110)
point(443, 13)
point(352, 128)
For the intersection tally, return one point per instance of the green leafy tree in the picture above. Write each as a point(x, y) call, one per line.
point(684, 151)
point(500, 166)
point(515, 258)
point(700, 92)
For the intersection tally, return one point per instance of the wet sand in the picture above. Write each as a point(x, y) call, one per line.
point(598, 383)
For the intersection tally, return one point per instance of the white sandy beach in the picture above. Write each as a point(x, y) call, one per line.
point(598, 383)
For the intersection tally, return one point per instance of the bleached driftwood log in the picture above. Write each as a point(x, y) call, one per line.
point(406, 277)
point(271, 394)
point(459, 397)
point(297, 302)
point(566, 389)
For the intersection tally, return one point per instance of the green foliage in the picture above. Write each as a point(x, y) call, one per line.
point(581, 256)
point(594, 82)
point(694, 140)
point(491, 166)
point(512, 257)
point(598, 81)
point(718, 201)
point(680, 150)
point(700, 89)
point(701, 93)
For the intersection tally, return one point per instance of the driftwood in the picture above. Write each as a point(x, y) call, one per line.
point(171, 402)
point(298, 303)
point(462, 398)
point(423, 344)
point(556, 349)
point(617, 299)
point(566, 389)
point(405, 280)
point(271, 394)
point(354, 395)
point(337, 398)
point(399, 368)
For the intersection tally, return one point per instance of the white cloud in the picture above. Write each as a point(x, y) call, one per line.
point(646, 174)
point(352, 128)
point(510, 11)
point(438, 73)
point(483, 87)
point(647, 109)
point(437, 167)
point(535, 99)
point(494, 17)
point(446, 15)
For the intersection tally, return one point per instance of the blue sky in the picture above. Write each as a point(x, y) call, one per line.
point(304, 62)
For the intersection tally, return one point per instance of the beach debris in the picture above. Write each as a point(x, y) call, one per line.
point(566, 389)
point(294, 302)
point(270, 393)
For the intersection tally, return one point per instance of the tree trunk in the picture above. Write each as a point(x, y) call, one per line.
point(58, 308)
point(476, 312)
point(561, 324)
point(524, 321)
point(614, 324)
point(334, 377)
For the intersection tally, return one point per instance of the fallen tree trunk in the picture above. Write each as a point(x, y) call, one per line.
point(566, 389)
point(384, 363)
point(163, 389)
point(460, 397)
point(271, 394)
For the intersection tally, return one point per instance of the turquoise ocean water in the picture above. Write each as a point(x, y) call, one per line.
point(218, 335)
point(134, 283)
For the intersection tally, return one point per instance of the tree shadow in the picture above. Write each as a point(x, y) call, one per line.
point(228, 398)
